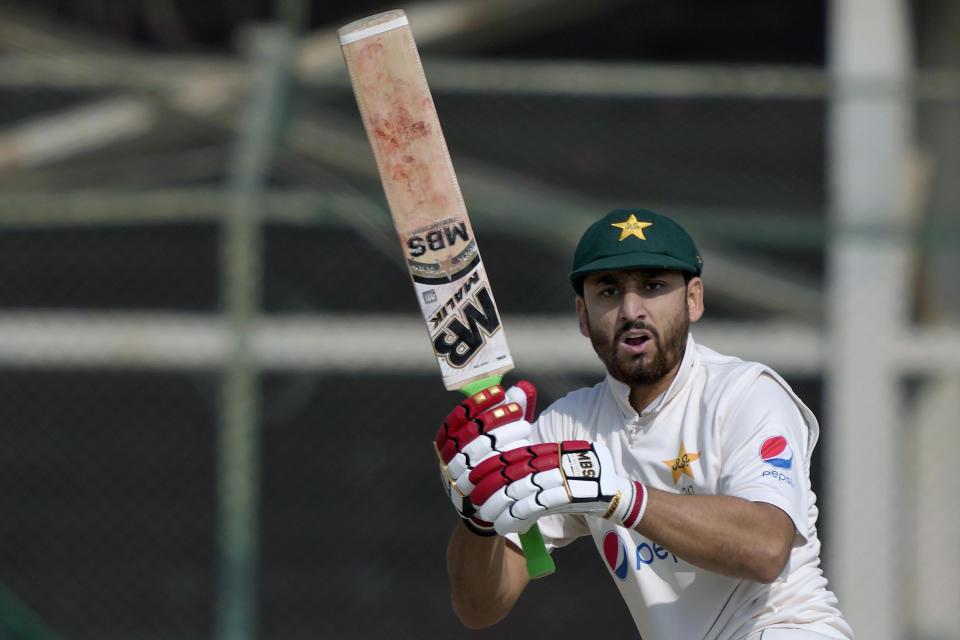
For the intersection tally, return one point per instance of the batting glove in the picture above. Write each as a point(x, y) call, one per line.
point(515, 488)
point(486, 424)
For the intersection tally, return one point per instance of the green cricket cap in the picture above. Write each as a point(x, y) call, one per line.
point(634, 239)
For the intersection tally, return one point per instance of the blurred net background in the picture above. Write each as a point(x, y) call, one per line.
point(215, 389)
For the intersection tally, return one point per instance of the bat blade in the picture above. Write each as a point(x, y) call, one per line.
point(429, 214)
point(424, 197)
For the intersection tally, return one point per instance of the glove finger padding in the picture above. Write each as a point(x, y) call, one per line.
point(491, 432)
point(484, 425)
point(460, 426)
point(515, 488)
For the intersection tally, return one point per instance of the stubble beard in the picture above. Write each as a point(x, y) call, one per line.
point(642, 369)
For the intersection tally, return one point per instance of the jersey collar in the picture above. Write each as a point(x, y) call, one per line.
point(621, 391)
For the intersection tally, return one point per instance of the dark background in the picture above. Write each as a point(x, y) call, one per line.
point(108, 509)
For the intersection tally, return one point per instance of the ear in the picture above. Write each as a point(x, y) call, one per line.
point(695, 299)
point(582, 317)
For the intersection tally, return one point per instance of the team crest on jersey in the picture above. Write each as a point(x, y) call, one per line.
point(777, 452)
point(615, 554)
point(680, 466)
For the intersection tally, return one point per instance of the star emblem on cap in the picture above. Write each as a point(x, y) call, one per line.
point(631, 227)
point(681, 464)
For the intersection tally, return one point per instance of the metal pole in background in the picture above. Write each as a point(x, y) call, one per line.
point(241, 269)
point(932, 609)
point(870, 138)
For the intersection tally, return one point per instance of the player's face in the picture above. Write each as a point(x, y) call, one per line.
point(637, 321)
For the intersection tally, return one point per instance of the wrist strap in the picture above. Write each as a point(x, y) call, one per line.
point(638, 507)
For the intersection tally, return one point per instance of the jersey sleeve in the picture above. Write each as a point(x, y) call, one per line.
point(764, 443)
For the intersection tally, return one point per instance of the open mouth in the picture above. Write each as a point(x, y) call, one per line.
point(637, 340)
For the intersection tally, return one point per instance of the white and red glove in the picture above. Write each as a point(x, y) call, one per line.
point(486, 424)
point(515, 488)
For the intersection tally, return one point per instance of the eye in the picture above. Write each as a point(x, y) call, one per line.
point(608, 291)
point(654, 285)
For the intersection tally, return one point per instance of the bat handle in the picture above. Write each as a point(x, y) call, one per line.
point(539, 562)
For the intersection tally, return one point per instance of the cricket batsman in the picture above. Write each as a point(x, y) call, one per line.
point(689, 469)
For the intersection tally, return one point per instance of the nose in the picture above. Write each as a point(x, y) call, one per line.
point(633, 307)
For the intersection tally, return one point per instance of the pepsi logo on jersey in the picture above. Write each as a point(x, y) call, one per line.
point(615, 553)
point(777, 452)
point(776, 475)
point(645, 553)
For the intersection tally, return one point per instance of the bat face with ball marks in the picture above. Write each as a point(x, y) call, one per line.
point(425, 201)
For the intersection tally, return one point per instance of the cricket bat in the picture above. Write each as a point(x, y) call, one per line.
point(429, 214)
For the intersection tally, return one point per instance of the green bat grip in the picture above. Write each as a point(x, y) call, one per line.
point(539, 562)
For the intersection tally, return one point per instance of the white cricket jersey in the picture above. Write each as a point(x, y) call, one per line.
point(727, 427)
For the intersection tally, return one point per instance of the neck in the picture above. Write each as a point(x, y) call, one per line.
point(641, 395)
